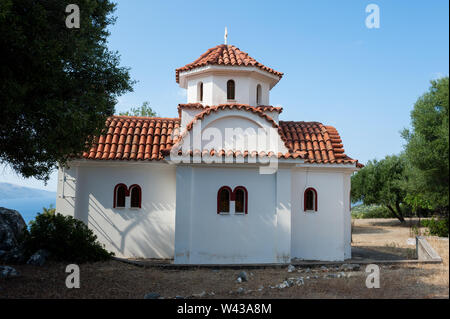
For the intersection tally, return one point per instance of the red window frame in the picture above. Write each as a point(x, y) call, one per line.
point(231, 90)
point(138, 188)
point(315, 198)
point(115, 194)
point(245, 197)
point(230, 192)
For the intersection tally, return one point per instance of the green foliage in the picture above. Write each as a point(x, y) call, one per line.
point(58, 85)
point(427, 148)
point(51, 210)
point(436, 227)
point(144, 110)
point(370, 211)
point(382, 183)
point(66, 238)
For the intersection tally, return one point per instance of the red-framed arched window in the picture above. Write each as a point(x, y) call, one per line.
point(120, 192)
point(240, 196)
point(310, 200)
point(224, 196)
point(135, 196)
point(230, 90)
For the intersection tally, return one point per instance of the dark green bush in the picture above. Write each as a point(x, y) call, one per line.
point(436, 227)
point(66, 238)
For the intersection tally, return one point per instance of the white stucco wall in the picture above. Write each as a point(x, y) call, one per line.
point(205, 237)
point(325, 234)
point(215, 87)
point(129, 232)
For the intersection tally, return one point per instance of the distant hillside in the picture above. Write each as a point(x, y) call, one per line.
point(11, 191)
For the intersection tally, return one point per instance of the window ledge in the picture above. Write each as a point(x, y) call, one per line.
point(224, 213)
point(135, 208)
point(239, 213)
point(310, 211)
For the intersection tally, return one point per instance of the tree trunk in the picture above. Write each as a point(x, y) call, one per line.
point(399, 211)
point(400, 218)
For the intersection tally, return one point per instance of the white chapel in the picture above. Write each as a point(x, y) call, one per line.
point(227, 181)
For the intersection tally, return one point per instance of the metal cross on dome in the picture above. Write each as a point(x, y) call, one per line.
point(226, 35)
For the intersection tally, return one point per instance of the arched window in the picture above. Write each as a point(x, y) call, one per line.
point(310, 200)
point(258, 94)
point(135, 196)
point(230, 90)
point(240, 196)
point(120, 192)
point(223, 199)
point(200, 91)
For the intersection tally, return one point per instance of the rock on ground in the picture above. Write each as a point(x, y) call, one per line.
point(350, 267)
point(8, 272)
point(243, 276)
point(12, 227)
point(39, 258)
point(152, 295)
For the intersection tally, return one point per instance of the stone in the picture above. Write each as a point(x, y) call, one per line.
point(350, 267)
point(239, 279)
point(243, 276)
point(291, 268)
point(12, 227)
point(39, 258)
point(200, 295)
point(283, 285)
point(8, 272)
point(152, 295)
point(332, 276)
point(240, 290)
point(323, 268)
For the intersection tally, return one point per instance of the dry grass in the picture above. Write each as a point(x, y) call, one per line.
point(114, 279)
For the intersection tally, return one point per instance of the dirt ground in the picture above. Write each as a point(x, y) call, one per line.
point(114, 279)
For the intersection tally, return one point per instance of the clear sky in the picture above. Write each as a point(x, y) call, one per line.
point(336, 70)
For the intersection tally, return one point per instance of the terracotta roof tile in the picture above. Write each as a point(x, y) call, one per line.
point(200, 106)
point(134, 138)
point(228, 55)
point(152, 138)
point(322, 143)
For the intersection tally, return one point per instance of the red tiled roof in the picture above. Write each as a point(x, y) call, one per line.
point(152, 138)
point(134, 138)
point(224, 54)
point(311, 141)
point(263, 108)
point(321, 143)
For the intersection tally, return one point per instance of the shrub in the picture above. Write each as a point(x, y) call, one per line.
point(66, 238)
point(436, 227)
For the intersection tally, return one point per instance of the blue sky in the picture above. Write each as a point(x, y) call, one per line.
point(336, 70)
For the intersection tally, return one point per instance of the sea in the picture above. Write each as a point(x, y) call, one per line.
point(29, 207)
